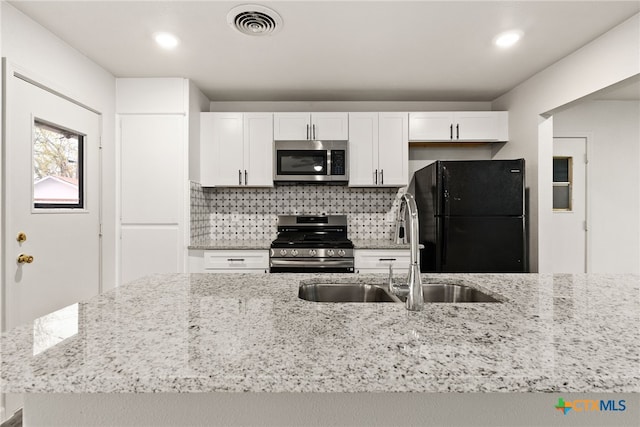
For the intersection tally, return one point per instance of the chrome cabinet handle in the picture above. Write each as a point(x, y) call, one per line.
point(387, 259)
point(451, 131)
point(239, 177)
point(376, 177)
point(246, 182)
point(307, 131)
point(458, 131)
point(381, 176)
point(235, 259)
point(314, 131)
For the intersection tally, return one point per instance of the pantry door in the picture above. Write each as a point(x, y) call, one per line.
point(51, 201)
point(569, 205)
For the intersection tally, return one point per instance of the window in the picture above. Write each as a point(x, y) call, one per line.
point(562, 183)
point(57, 167)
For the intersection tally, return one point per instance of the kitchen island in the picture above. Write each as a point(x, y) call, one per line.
point(218, 333)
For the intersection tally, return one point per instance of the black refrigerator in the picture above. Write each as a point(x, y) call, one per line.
point(472, 216)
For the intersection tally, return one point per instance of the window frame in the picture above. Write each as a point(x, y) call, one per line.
point(568, 184)
point(43, 207)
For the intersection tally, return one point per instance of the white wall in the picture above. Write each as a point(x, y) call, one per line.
point(614, 177)
point(54, 63)
point(612, 57)
point(197, 104)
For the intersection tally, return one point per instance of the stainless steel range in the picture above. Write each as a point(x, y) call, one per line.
point(311, 244)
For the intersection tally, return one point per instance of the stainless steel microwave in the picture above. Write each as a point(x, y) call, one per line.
point(311, 161)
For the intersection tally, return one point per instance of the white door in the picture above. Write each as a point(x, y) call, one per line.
point(152, 194)
point(52, 195)
point(393, 149)
point(569, 205)
point(363, 148)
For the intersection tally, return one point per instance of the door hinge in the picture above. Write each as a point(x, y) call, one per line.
point(584, 225)
point(99, 230)
point(586, 159)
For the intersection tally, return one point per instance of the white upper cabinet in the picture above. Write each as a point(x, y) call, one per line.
point(393, 149)
point(363, 148)
point(330, 126)
point(487, 126)
point(236, 149)
point(291, 126)
point(378, 149)
point(258, 149)
point(310, 126)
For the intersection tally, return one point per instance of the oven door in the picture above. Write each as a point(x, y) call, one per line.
point(311, 265)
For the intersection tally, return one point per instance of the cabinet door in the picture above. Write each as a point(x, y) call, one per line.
point(291, 126)
point(431, 126)
point(363, 149)
point(379, 260)
point(479, 125)
point(330, 126)
point(258, 152)
point(393, 149)
point(228, 150)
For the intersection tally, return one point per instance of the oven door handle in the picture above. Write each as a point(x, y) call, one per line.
point(311, 262)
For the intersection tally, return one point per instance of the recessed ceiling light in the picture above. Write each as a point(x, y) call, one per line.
point(507, 39)
point(166, 40)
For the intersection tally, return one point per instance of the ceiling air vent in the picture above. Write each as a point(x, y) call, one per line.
point(254, 20)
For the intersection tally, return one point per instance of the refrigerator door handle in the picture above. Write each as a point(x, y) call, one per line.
point(445, 193)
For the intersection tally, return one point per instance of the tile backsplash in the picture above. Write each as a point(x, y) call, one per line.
point(251, 213)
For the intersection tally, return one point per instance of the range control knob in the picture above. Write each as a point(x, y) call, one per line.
point(294, 252)
point(330, 252)
point(283, 252)
point(341, 252)
point(312, 252)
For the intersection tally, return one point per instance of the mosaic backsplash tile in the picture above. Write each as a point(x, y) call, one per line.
point(251, 213)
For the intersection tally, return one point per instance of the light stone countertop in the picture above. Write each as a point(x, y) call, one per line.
point(266, 244)
point(231, 245)
point(243, 332)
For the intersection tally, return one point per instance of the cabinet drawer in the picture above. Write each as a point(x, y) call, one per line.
point(380, 259)
point(231, 260)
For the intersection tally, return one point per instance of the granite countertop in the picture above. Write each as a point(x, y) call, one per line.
point(231, 244)
point(241, 332)
point(264, 244)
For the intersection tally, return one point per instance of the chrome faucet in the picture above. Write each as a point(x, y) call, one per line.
point(413, 289)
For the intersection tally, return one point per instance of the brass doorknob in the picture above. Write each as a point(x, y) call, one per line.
point(21, 237)
point(24, 258)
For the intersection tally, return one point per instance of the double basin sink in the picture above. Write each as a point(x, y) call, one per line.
point(359, 292)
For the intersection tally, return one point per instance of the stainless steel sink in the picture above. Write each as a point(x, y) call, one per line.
point(454, 293)
point(345, 292)
point(360, 292)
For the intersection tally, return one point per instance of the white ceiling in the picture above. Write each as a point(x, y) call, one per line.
point(334, 50)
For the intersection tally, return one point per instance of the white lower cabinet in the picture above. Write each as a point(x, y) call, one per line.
point(229, 261)
point(378, 260)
